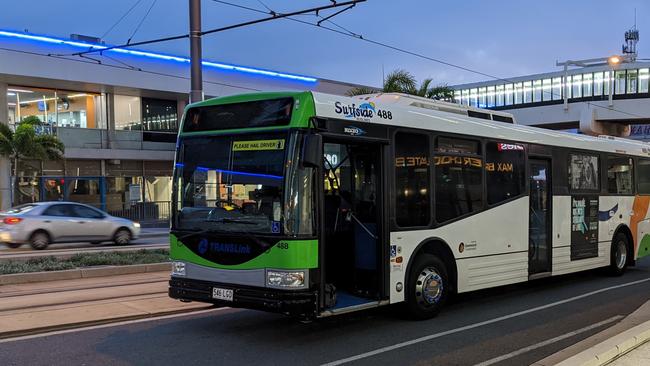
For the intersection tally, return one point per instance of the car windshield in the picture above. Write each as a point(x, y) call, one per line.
point(230, 183)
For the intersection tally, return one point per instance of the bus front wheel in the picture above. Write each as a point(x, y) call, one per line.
point(428, 287)
point(619, 255)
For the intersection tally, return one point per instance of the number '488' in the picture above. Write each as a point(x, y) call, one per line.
point(384, 114)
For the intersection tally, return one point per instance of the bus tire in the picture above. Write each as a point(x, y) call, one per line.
point(619, 255)
point(428, 287)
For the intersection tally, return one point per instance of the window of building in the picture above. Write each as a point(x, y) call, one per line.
point(128, 112)
point(643, 175)
point(632, 79)
point(505, 168)
point(537, 91)
point(473, 97)
point(500, 95)
point(519, 93)
point(509, 97)
point(583, 172)
point(557, 88)
point(412, 177)
point(619, 82)
point(598, 83)
point(587, 85)
point(159, 115)
point(607, 82)
point(54, 108)
point(644, 75)
point(576, 86)
point(465, 97)
point(457, 96)
point(619, 175)
point(547, 90)
point(528, 91)
point(482, 97)
point(459, 179)
point(491, 95)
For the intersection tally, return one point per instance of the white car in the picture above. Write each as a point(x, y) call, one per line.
point(43, 223)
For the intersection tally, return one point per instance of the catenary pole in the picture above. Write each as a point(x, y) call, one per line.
point(196, 72)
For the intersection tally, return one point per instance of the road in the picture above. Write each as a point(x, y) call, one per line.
point(515, 325)
point(56, 248)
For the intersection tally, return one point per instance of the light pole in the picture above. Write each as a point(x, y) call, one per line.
point(196, 74)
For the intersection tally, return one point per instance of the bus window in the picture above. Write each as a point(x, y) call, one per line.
point(505, 171)
point(459, 178)
point(583, 172)
point(412, 177)
point(619, 175)
point(644, 176)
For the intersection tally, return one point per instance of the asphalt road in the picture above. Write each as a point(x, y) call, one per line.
point(521, 324)
point(4, 249)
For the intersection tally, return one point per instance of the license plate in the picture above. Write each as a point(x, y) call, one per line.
point(222, 294)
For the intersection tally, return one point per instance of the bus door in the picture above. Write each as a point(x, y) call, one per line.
point(352, 216)
point(539, 229)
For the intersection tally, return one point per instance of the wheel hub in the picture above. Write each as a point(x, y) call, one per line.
point(621, 255)
point(429, 287)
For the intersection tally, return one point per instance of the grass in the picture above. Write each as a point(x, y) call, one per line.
point(83, 260)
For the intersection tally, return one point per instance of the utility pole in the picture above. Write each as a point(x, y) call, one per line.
point(196, 56)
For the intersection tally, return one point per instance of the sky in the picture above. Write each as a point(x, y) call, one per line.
point(501, 38)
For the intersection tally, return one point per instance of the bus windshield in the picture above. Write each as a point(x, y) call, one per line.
point(230, 183)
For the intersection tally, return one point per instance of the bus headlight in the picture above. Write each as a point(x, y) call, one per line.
point(178, 268)
point(285, 279)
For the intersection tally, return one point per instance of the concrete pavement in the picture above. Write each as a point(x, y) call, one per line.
point(46, 306)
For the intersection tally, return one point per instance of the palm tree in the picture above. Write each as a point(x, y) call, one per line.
point(26, 143)
point(402, 81)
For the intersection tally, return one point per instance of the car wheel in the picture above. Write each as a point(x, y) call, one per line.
point(427, 288)
point(13, 245)
point(39, 240)
point(619, 255)
point(122, 237)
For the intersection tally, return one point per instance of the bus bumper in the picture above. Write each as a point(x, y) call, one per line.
point(294, 303)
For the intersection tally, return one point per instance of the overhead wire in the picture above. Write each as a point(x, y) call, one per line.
point(141, 21)
point(120, 19)
point(357, 36)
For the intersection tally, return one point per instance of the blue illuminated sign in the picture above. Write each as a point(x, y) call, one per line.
point(160, 56)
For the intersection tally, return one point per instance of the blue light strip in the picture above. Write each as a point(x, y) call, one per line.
point(204, 169)
point(160, 56)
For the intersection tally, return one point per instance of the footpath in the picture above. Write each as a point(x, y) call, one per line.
point(36, 307)
point(625, 344)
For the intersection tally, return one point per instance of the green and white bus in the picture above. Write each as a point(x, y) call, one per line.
point(311, 204)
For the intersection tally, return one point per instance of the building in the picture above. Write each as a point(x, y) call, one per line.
point(609, 95)
point(117, 112)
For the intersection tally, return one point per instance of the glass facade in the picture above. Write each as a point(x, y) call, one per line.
point(54, 108)
point(584, 85)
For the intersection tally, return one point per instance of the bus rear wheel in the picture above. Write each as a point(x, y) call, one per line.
point(427, 288)
point(619, 255)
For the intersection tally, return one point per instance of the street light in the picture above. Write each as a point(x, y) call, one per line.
point(614, 60)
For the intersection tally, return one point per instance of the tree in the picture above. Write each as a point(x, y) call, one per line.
point(26, 143)
point(402, 81)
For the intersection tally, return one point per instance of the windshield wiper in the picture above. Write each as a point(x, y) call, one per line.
point(231, 221)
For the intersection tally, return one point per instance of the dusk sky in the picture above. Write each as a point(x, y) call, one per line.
point(501, 38)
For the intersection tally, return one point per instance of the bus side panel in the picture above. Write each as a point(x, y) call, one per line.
point(495, 245)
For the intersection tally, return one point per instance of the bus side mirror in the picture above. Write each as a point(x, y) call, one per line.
point(312, 151)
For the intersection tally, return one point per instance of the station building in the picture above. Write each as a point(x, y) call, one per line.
point(117, 112)
point(601, 96)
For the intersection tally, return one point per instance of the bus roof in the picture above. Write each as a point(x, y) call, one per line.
point(339, 107)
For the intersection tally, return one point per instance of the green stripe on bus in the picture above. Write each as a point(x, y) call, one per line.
point(299, 254)
point(644, 247)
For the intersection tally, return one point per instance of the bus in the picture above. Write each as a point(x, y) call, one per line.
point(311, 205)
